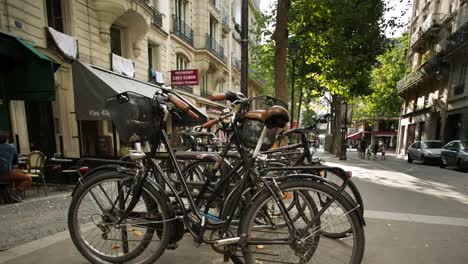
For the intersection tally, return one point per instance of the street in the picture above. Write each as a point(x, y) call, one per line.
point(415, 214)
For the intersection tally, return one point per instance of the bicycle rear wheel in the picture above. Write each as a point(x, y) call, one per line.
point(97, 206)
point(305, 243)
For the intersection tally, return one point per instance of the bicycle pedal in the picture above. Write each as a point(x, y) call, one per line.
point(172, 246)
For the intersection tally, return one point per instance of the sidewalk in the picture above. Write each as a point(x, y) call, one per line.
point(387, 242)
point(32, 219)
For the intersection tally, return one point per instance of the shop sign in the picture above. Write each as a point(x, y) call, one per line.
point(184, 77)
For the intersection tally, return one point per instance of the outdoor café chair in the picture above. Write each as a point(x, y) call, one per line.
point(35, 168)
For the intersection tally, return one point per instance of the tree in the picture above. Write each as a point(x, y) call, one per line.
point(280, 37)
point(383, 100)
point(341, 39)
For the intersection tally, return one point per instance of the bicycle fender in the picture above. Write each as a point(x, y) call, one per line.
point(100, 169)
point(348, 198)
point(318, 179)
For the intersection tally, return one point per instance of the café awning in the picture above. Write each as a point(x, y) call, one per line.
point(25, 72)
point(93, 85)
point(357, 135)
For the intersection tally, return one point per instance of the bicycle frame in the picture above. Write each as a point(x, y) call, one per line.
point(246, 159)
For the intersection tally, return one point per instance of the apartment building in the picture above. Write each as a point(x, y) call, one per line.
point(156, 36)
point(433, 92)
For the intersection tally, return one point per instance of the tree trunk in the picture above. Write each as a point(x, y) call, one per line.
point(336, 126)
point(281, 50)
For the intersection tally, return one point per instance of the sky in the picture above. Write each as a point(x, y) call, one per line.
point(396, 11)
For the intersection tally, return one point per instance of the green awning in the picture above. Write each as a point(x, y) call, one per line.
point(25, 72)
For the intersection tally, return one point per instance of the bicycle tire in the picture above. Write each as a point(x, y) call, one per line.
point(95, 257)
point(249, 219)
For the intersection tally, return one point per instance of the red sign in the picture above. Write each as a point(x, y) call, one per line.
point(184, 77)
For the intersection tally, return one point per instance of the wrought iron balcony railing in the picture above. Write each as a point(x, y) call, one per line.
point(157, 18)
point(458, 38)
point(428, 68)
point(215, 48)
point(182, 30)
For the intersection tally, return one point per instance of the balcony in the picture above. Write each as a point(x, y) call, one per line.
point(215, 48)
point(236, 62)
point(157, 18)
point(415, 37)
point(429, 28)
point(432, 24)
point(188, 89)
point(182, 30)
point(430, 67)
point(458, 39)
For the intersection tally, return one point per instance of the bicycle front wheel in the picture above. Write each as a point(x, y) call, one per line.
point(93, 218)
point(301, 241)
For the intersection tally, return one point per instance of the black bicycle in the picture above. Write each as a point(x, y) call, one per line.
point(125, 215)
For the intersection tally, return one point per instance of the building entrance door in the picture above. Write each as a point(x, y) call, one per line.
point(41, 127)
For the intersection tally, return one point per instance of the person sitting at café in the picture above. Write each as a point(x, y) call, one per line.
point(21, 181)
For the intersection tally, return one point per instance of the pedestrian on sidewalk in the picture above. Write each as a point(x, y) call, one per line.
point(384, 149)
point(363, 149)
point(21, 181)
point(375, 149)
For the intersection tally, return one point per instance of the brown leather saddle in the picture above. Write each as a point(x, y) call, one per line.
point(273, 117)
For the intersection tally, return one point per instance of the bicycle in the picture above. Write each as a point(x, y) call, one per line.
point(136, 208)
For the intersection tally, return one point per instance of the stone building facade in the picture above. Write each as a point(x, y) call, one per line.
point(160, 35)
point(433, 93)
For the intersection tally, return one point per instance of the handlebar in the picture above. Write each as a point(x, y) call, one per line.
point(181, 105)
point(218, 97)
point(211, 122)
point(230, 96)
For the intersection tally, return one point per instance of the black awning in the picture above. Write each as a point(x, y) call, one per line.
point(92, 85)
point(25, 72)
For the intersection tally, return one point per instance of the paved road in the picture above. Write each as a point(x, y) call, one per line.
point(415, 214)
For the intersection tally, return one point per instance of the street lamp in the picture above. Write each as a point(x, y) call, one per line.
point(293, 52)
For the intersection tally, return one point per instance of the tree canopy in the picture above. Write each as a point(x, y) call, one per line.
point(383, 100)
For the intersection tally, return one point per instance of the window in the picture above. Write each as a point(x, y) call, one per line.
point(116, 40)
point(181, 8)
point(221, 87)
point(181, 62)
point(433, 144)
point(54, 14)
point(213, 28)
point(455, 146)
point(204, 85)
point(460, 88)
point(153, 57)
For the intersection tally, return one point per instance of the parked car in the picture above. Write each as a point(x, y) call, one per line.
point(425, 151)
point(455, 153)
